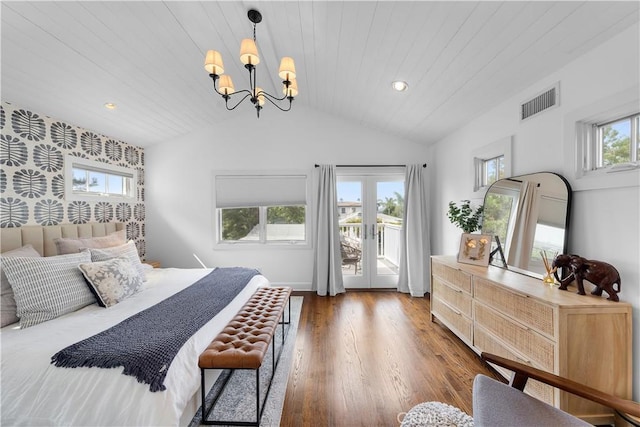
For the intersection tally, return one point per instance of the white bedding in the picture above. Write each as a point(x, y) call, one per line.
point(35, 392)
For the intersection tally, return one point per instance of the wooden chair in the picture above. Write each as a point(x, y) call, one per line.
point(498, 404)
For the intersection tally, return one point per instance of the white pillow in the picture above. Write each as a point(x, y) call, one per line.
point(8, 308)
point(112, 281)
point(128, 251)
point(70, 245)
point(48, 287)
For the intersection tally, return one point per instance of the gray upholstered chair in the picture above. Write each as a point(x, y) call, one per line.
point(496, 404)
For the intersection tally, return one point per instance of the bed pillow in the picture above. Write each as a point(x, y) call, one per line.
point(7, 301)
point(70, 245)
point(127, 250)
point(112, 281)
point(48, 287)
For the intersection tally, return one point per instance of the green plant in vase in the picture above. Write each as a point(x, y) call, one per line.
point(464, 216)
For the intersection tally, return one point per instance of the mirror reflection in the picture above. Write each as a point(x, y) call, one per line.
point(530, 216)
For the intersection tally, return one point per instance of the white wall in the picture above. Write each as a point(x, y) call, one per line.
point(179, 181)
point(604, 223)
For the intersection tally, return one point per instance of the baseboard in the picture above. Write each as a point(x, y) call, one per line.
point(296, 286)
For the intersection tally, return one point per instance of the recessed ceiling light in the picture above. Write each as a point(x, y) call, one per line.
point(110, 106)
point(399, 85)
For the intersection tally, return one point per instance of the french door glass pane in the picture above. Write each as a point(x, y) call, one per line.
point(350, 221)
point(390, 209)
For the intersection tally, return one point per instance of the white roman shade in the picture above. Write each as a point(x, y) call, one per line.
point(552, 212)
point(237, 191)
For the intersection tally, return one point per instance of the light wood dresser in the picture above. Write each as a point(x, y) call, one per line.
point(581, 337)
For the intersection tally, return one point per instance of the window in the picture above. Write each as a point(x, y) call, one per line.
point(491, 170)
point(261, 209)
point(491, 163)
point(87, 179)
point(613, 144)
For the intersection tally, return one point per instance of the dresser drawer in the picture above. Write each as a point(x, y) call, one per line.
point(524, 340)
point(455, 297)
point(453, 276)
point(532, 313)
point(454, 319)
point(485, 341)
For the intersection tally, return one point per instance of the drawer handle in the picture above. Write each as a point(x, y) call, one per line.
point(458, 290)
point(523, 327)
point(455, 311)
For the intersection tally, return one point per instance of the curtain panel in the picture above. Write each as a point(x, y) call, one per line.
point(415, 249)
point(327, 265)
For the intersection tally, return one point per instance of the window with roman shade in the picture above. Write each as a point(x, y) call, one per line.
point(261, 208)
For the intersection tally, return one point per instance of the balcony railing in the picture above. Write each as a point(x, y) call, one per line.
point(388, 245)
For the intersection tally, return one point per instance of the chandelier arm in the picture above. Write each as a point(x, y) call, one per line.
point(273, 97)
point(239, 102)
point(279, 107)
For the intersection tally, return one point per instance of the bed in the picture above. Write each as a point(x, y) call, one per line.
point(35, 392)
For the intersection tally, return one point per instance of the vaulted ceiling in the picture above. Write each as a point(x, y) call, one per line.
point(67, 59)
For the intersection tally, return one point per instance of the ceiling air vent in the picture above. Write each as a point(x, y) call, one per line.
point(547, 99)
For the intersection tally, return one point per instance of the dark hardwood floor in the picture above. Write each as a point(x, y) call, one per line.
point(362, 358)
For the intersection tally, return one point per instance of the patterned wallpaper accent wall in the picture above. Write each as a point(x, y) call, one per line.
point(32, 152)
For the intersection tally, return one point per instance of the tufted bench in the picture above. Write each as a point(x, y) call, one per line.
point(243, 343)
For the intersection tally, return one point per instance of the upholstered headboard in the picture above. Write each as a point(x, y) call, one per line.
point(41, 237)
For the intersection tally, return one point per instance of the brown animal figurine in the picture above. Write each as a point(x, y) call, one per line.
point(601, 274)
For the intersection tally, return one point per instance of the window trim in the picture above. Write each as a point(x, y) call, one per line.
point(219, 244)
point(72, 161)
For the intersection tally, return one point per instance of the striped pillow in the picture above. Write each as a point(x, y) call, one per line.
point(128, 251)
point(48, 287)
point(8, 307)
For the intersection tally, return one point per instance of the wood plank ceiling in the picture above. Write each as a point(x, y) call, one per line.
point(460, 58)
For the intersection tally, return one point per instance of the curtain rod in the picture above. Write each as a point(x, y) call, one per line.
point(424, 165)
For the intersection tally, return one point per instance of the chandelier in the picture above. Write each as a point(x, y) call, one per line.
point(223, 85)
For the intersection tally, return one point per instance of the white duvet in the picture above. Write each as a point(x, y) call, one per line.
point(35, 392)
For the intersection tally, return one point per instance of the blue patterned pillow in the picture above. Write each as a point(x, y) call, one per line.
point(112, 281)
point(47, 287)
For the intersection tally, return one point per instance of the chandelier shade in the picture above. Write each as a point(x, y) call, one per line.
point(213, 62)
point(287, 69)
point(249, 52)
point(223, 85)
point(226, 85)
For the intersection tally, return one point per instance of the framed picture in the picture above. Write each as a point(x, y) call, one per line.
point(475, 248)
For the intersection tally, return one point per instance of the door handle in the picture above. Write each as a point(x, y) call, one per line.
point(364, 231)
point(373, 231)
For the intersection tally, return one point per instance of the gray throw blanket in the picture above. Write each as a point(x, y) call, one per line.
point(146, 343)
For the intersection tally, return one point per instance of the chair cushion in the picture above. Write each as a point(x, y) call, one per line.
point(496, 404)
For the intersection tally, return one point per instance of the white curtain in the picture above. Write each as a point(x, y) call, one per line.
point(525, 226)
point(327, 265)
point(415, 249)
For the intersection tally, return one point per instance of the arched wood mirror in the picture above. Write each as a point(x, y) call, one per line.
point(530, 215)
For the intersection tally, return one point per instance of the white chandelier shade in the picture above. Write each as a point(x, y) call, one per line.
point(223, 85)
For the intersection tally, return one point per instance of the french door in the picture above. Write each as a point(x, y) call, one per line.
point(370, 209)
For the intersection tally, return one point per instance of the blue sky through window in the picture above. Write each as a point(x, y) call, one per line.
point(351, 191)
